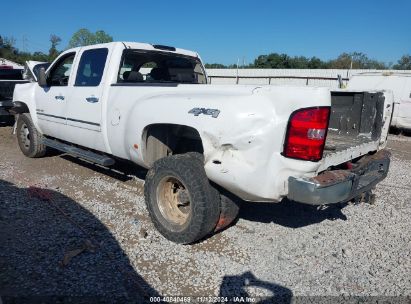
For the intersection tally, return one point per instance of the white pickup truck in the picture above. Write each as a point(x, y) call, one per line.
point(204, 145)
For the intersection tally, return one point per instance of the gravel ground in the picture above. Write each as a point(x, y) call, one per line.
point(58, 206)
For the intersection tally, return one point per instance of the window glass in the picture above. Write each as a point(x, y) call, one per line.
point(37, 67)
point(140, 66)
point(91, 67)
point(60, 72)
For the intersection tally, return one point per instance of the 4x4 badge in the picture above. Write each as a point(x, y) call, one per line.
point(212, 112)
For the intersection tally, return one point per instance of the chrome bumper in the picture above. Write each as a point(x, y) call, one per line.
point(337, 186)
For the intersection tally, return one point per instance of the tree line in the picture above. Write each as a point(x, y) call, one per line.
point(82, 37)
point(354, 60)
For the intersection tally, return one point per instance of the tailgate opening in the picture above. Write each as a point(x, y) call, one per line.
point(356, 118)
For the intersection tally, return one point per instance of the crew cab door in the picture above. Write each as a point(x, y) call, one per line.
point(51, 100)
point(84, 111)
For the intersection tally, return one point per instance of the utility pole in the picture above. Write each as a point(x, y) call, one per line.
point(24, 43)
point(238, 63)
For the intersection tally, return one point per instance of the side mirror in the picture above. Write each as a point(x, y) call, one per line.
point(41, 78)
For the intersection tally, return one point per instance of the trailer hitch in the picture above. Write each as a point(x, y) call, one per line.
point(366, 197)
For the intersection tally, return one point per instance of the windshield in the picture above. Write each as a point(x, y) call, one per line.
point(140, 66)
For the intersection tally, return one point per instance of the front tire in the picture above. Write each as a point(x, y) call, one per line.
point(29, 139)
point(183, 206)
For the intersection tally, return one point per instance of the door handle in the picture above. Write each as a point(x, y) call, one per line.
point(92, 99)
point(59, 97)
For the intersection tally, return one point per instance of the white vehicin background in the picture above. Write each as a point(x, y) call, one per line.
point(398, 83)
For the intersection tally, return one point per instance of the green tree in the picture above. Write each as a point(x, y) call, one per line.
point(7, 49)
point(299, 62)
point(53, 52)
point(84, 37)
point(102, 37)
point(9, 42)
point(40, 56)
point(404, 63)
point(317, 63)
point(215, 66)
point(10, 52)
point(356, 60)
point(272, 61)
point(283, 61)
point(80, 38)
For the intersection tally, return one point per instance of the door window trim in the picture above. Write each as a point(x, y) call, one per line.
point(79, 63)
point(59, 60)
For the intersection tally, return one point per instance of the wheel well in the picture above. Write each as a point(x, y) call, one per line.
point(19, 108)
point(169, 139)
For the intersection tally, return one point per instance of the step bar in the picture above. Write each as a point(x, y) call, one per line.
point(88, 155)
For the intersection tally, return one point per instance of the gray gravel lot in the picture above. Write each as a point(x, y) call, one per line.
point(57, 205)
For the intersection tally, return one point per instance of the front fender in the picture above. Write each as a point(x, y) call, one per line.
point(19, 108)
point(23, 99)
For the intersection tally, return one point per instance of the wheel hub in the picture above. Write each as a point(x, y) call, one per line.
point(25, 136)
point(173, 200)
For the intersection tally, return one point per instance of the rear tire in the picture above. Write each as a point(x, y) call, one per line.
point(229, 206)
point(229, 210)
point(182, 205)
point(29, 139)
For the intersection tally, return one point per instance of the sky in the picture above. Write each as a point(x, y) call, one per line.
point(222, 31)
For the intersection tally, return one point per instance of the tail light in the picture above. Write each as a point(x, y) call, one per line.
point(306, 133)
point(6, 67)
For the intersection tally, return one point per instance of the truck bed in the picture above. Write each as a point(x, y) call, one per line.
point(356, 122)
point(337, 143)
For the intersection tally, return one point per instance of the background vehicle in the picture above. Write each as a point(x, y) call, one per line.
point(204, 145)
point(398, 83)
point(9, 77)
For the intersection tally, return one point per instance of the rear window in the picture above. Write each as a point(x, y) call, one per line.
point(91, 67)
point(140, 66)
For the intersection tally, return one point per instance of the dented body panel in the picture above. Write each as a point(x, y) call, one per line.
point(242, 128)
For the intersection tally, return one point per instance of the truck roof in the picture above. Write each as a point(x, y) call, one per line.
point(148, 46)
point(154, 47)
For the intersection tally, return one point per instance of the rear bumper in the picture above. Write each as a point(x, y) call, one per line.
point(338, 186)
